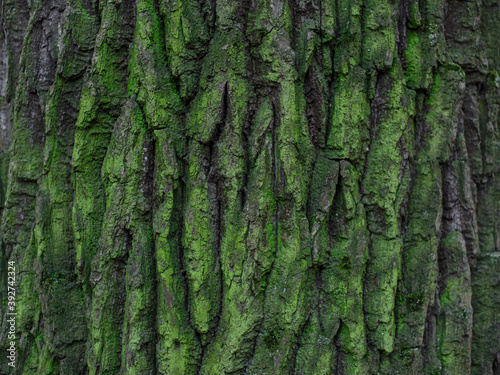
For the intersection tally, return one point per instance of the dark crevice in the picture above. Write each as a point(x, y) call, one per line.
point(430, 335)
point(208, 9)
point(251, 105)
point(123, 240)
point(321, 33)
point(402, 30)
point(313, 107)
point(419, 126)
point(213, 24)
point(309, 209)
point(275, 198)
point(470, 116)
point(337, 211)
point(338, 353)
point(473, 100)
point(378, 107)
point(319, 290)
point(314, 122)
point(301, 333)
point(214, 7)
point(337, 22)
point(496, 364)
point(37, 119)
point(149, 166)
point(331, 90)
point(421, 131)
point(176, 236)
point(129, 16)
point(295, 17)
point(215, 183)
point(210, 166)
point(156, 5)
point(245, 136)
point(2, 22)
point(450, 219)
point(251, 108)
point(403, 222)
point(363, 31)
point(244, 12)
point(483, 121)
point(128, 238)
point(275, 177)
point(177, 231)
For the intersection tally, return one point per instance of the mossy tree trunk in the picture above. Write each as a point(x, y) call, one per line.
point(251, 186)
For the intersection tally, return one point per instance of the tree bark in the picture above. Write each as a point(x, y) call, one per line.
point(251, 186)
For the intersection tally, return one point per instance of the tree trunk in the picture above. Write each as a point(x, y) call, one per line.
point(250, 187)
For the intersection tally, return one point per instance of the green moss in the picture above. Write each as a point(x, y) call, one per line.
point(420, 56)
point(449, 83)
point(344, 290)
point(151, 82)
point(102, 95)
point(379, 37)
point(384, 189)
point(349, 34)
point(316, 351)
point(187, 25)
point(199, 244)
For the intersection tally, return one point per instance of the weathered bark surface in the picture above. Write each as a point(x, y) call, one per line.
point(251, 186)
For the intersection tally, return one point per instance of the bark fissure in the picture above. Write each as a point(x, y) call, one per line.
point(276, 197)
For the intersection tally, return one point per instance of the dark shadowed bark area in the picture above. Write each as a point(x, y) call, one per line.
point(250, 186)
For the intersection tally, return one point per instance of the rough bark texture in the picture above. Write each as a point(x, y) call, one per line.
point(251, 186)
